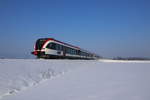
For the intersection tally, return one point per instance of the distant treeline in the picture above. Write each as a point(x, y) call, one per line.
point(130, 58)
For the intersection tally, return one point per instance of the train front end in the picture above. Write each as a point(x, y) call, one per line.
point(38, 48)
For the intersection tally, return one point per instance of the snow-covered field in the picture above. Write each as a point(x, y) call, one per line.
point(32, 79)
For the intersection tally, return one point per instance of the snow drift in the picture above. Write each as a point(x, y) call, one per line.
point(83, 79)
point(18, 74)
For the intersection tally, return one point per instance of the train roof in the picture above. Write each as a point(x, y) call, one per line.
point(47, 39)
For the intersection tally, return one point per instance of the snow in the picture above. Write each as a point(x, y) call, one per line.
point(33, 79)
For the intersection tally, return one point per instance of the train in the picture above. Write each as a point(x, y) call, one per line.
point(50, 48)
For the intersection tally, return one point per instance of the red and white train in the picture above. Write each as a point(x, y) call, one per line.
point(53, 49)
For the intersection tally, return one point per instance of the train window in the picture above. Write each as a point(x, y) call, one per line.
point(57, 46)
point(68, 50)
point(63, 48)
point(51, 46)
point(71, 51)
point(79, 52)
point(60, 48)
point(39, 43)
point(76, 52)
point(83, 54)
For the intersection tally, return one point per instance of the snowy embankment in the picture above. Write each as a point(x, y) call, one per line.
point(18, 74)
point(83, 80)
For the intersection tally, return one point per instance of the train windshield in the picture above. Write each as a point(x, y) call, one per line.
point(39, 43)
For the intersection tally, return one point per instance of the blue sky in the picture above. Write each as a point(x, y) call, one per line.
point(109, 28)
